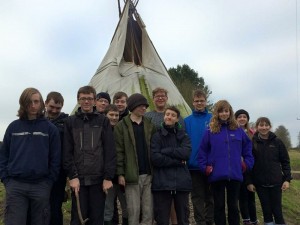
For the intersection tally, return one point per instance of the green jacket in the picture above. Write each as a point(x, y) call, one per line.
point(127, 161)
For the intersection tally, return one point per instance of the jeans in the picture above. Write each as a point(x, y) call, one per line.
point(92, 201)
point(162, 206)
point(270, 200)
point(232, 189)
point(202, 199)
point(139, 201)
point(21, 195)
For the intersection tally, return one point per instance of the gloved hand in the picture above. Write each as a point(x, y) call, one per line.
point(208, 170)
point(244, 167)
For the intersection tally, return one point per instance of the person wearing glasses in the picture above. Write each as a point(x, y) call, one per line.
point(30, 159)
point(195, 126)
point(160, 98)
point(102, 101)
point(89, 158)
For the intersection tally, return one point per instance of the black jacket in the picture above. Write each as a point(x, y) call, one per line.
point(89, 149)
point(271, 162)
point(59, 122)
point(170, 149)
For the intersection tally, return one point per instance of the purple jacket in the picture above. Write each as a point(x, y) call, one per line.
point(224, 152)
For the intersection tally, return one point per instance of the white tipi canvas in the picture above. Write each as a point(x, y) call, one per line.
point(132, 64)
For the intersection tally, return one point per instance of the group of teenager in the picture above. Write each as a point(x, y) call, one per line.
point(150, 161)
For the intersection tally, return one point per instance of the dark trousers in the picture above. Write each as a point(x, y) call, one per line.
point(202, 199)
point(270, 200)
point(21, 196)
point(247, 204)
point(92, 202)
point(56, 199)
point(232, 189)
point(162, 201)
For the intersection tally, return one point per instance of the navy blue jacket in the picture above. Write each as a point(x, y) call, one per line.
point(31, 151)
point(170, 149)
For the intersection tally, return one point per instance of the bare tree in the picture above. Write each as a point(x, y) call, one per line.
point(284, 135)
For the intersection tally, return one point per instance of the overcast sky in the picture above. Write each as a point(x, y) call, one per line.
point(244, 50)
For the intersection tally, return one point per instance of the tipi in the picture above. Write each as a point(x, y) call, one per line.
point(132, 64)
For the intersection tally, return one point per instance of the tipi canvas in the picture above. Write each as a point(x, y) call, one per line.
point(132, 64)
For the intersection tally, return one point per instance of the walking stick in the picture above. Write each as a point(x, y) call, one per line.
point(82, 221)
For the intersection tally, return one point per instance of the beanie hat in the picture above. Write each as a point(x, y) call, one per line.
point(103, 95)
point(242, 111)
point(136, 100)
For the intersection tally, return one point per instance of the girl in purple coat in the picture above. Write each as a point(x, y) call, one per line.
point(221, 150)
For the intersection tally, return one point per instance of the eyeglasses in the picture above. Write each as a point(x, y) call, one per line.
point(101, 100)
point(199, 101)
point(83, 99)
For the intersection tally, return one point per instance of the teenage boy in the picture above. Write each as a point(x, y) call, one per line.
point(195, 126)
point(88, 158)
point(160, 98)
point(53, 104)
point(30, 159)
point(133, 134)
point(112, 113)
point(102, 101)
point(120, 100)
point(170, 149)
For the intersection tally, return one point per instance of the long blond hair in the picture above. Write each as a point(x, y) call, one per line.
point(215, 123)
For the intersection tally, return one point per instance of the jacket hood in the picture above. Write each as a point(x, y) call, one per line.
point(271, 136)
point(199, 113)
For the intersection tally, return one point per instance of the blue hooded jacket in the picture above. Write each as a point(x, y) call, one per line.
point(224, 151)
point(31, 151)
point(195, 126)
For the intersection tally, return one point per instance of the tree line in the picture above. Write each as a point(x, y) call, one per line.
point(186, 79)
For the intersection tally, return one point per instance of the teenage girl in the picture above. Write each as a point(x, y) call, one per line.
point(271, 173)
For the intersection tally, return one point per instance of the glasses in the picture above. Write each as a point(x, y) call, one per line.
point(83, 99)
point(102, 100)
point(199, 101)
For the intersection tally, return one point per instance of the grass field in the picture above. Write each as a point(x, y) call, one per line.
point(291, 197)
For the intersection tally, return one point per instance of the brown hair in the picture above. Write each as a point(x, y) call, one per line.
point(199, 93)
point(119, 95)
point(111, 107)
point(86, 90)
point(56, 96)
point(159, 89)
point(215, 124)
point(25, 101)
point(263, 120)
point(173, 108)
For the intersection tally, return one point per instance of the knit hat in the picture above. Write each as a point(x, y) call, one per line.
point(242, 111)
point(104, 95)
point(136, 100)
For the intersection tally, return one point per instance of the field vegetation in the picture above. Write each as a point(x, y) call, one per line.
point(291, 197)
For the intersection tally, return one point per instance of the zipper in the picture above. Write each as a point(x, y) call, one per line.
point(92, 140)
point(80, 140)
point(228, 148)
